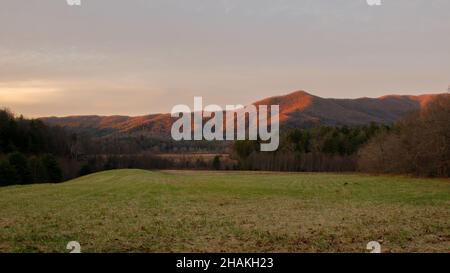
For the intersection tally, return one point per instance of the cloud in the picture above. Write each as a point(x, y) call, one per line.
point(35, 98)
point(136, 57)
point(26, 93)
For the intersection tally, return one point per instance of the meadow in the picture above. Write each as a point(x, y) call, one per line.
point(201, 211)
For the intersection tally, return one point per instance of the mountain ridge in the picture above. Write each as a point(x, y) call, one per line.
point(297, 109)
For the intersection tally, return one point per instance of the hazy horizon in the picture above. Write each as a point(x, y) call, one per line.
point(112, 57)
point(190, 104)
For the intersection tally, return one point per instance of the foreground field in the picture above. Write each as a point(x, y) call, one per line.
point(141, 211)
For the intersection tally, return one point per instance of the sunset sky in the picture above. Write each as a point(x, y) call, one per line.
point(144, 56)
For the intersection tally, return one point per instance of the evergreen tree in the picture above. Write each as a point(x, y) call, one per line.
point(20, 164)
point(8, 174)
point(38, 169)
point(54, 173)
point(85, 169)
point(216, 163)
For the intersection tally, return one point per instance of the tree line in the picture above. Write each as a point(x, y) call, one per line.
point(33, 152)
point(29, 150)
point(418, 145)
point(322, 148)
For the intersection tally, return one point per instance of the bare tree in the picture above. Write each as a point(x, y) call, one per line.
point(419, 145)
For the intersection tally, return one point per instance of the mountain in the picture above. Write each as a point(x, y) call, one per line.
point(301, 109)
point(297, 109)
point(155, 124)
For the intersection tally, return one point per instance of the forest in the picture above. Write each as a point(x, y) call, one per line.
point(417, 145)
point(322, 148)
point(33, 152)
point(29, 150)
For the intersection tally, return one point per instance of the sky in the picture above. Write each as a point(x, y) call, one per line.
point(137, 57)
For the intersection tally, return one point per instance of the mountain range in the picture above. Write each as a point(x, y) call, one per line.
point(298, 109)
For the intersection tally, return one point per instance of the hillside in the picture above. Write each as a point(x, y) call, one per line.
point(185, 211)
point(298, 109)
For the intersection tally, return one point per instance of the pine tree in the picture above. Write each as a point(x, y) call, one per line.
point(54, 173)
point(216, 163)
point(20, 163)
point(8, 174)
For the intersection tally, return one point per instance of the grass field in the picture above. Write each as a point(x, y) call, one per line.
point(142, 211)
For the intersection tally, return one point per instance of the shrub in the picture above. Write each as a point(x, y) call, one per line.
point(85, 169)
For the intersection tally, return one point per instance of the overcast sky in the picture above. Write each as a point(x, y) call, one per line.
point(144, 56)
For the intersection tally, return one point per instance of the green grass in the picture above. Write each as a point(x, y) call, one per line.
point(142, 211)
